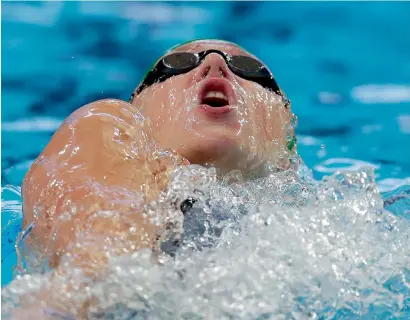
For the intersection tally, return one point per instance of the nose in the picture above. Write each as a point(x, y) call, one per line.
point(214, 65)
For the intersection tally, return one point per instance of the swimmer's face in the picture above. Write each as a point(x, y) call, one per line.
point(251, 129)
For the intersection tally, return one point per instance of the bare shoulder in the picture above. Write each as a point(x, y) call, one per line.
point(101, 109)
point(92, 163)
point(97, 144)
point(93, 127)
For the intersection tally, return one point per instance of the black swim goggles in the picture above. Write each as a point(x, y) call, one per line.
point(178, 63)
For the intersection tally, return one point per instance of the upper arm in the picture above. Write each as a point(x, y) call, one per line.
point(91, 164)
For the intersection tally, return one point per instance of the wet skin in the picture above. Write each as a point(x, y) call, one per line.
point(105, 155)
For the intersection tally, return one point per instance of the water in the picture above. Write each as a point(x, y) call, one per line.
point(346, 69)
point(302, 251)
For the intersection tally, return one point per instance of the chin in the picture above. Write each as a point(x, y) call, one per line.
point(210, 150)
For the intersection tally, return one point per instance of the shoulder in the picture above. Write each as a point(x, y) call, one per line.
point(106, 108)
point(91, 137)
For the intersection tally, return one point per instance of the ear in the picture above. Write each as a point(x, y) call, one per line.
point(291, 118)
point(131, 99)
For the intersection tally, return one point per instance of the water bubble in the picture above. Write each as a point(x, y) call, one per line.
point(275, 246)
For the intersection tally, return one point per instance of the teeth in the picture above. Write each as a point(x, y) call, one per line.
point(216, 94)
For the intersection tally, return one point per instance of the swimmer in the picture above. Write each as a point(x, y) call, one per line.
point(206, 102)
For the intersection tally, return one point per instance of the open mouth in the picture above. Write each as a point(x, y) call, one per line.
point(216, 93)
point(215, 99)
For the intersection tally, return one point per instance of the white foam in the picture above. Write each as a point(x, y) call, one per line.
point(404, 123)
point(308, 140)
point(44, 14)
point(333, 165)
point(298, 252)
point(330, 97)
point(383, 93)
point(390, 184)
point(36, 124)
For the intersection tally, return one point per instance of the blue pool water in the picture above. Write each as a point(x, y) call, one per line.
point(345, 67)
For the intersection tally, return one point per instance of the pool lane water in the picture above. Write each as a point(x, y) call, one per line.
point(345, 66)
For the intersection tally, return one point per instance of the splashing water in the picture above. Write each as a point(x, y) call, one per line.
point(276, 245)
point(290, 249)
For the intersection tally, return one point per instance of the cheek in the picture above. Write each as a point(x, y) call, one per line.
point(260, 106)
point(267, 117)
point(163, 102)
point(165, 106)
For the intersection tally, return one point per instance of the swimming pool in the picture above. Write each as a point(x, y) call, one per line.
point(345, 66)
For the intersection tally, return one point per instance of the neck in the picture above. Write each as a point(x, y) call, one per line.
point(243, 173)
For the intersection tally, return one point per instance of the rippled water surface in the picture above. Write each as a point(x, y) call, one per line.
point(289, 248)
point(330, 241)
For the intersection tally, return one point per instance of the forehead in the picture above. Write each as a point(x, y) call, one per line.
point(202, 45)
